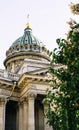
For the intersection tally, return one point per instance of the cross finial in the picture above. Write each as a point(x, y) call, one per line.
point(28, 18)
point(28, 25)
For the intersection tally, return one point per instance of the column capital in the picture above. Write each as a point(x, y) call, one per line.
point(24, 100)
point(3, 100)
point(32, 95)
point(20, 103)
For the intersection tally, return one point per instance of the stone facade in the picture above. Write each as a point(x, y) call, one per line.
point(23, 85)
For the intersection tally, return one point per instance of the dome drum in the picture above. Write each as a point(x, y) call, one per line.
point(27, 48)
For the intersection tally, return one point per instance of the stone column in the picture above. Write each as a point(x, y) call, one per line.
point(25, 114)
point(2, 113)
point(46, 126)
point(31, 114)
point(20, 114)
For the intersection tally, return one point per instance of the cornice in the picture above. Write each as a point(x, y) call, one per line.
point(25, 79)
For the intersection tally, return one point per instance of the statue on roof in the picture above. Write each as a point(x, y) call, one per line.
point(72, 23)
point(74, 8)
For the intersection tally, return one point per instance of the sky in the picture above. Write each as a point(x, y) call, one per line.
point(48, 20)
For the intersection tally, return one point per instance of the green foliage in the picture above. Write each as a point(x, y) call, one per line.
point(63, 95)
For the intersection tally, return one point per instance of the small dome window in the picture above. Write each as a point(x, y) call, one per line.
point(26, 46)
point(30, 47)
point(17, 47)
point(35, 47)
point(21, 47)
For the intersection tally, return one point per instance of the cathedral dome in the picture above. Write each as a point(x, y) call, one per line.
point(27, 42)
point(26, 46)
point(27, 38)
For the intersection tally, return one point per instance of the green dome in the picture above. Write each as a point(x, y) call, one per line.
point(25, 43)
point(27, 38)
point(27, 46)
